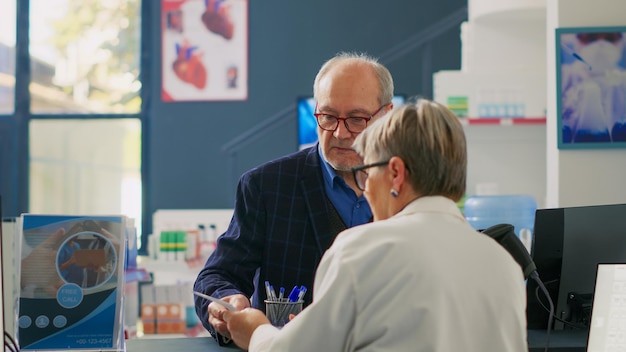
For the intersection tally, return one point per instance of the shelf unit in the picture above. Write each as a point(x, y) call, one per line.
point(502, 121)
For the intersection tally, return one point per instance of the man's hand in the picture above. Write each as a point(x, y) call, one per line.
point(243, 323)
point(216, 312)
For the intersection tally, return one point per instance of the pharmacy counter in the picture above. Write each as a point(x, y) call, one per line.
point(205, 344)
point(560, 341)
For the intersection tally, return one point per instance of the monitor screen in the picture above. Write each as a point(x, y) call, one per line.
point(568, 244)
point(307, 125)
point(609, 305)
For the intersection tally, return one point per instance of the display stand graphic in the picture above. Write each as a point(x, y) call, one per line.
point(71, 282)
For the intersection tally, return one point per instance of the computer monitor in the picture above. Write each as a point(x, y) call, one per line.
point(307, 125)
point(568, 244)
point(606, 332)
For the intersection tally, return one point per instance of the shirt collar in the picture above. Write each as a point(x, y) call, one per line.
point(432, 204)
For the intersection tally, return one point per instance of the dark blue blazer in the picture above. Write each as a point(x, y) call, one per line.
point(279, 231)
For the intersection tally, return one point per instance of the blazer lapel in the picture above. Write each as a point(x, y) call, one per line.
point(312, 185)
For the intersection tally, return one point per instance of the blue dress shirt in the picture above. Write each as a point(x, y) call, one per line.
point(352, 209)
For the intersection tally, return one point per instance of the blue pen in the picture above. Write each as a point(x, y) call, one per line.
point(281, 294)
point(267, 290)
point(293, 296)
point(273, 293)
point(301, 293)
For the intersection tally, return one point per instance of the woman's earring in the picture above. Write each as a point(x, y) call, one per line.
point(394, 193)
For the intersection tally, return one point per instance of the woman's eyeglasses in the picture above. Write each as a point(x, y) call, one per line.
point(360, 175)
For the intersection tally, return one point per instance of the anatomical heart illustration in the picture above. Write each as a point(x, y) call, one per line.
point(217, 18)
point(204, 45)
point(188, 66)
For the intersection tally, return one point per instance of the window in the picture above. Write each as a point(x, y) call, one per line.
point(76, 170)
point(84, 126)
point(7, 56)
point(85, 56)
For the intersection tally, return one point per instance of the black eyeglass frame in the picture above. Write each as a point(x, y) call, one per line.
point(345, 119)
point(361, 169)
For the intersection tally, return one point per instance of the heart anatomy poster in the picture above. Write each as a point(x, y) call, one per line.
point(204, 50)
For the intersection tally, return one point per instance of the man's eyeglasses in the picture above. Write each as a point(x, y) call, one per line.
point(354, 124)
point(360, 175)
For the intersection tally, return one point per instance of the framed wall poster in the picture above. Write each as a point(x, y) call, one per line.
point(204, 50)
point(591, 87)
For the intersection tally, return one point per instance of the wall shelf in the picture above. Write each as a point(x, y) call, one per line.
point(502, 121)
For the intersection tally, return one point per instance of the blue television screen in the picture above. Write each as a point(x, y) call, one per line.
point(307, 125)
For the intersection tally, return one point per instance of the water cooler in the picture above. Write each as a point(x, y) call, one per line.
point(518, 210)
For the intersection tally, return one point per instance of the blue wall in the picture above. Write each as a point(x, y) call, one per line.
point(288, 42)
point(194, 152)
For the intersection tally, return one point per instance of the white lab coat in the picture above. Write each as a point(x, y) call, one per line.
point(423, 280)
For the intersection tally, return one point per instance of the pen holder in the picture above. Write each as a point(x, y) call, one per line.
point(278, 312)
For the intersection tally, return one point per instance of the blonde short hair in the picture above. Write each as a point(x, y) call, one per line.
point(430, 140)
